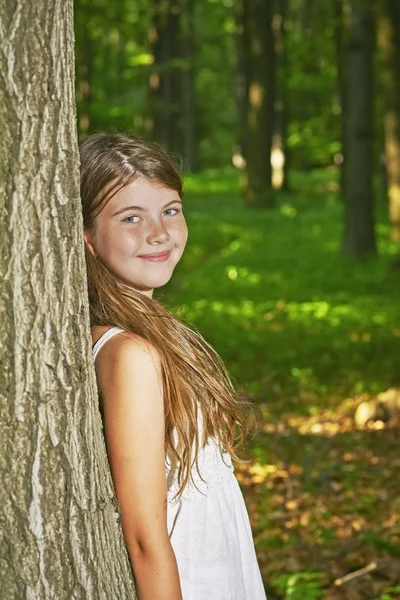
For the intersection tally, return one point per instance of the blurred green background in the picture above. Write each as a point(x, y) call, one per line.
point(285, 117)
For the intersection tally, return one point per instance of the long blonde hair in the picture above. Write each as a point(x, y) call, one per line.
point(194, 377)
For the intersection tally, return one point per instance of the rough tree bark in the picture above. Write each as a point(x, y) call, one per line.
point(60, 534)
point(389, 41)
point(359, 231)
point(260, 77)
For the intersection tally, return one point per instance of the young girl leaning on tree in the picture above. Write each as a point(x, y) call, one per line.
point(172, 418)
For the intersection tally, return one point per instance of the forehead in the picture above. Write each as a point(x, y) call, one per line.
point(142, 192)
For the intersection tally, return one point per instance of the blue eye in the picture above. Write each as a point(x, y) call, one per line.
point(128, 219)
point(175, 211)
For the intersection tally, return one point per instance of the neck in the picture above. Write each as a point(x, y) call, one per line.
point(128, 288)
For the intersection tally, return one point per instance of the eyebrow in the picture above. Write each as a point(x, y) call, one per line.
point(143, 209)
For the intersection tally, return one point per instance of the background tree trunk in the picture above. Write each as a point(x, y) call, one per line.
point(359, 233)
point(389, 41)
point(165, 80)
point(260, 76)
point(188, 126)
point(60, 536)
point(280, 158)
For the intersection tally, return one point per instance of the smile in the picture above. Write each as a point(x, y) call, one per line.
point(160, 257)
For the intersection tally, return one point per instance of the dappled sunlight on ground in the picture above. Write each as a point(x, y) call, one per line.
point(322, 499)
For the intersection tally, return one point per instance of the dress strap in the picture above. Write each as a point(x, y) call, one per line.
point(102, 340)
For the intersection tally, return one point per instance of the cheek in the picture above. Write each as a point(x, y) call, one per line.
point(115, 244)
point(181, 231)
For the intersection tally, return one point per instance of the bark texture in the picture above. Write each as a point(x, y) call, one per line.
point(59, 520)
point(359, 233)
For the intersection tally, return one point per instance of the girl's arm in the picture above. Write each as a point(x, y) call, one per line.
point(130, 386)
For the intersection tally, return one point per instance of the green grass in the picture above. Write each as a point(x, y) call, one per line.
point(297, 324)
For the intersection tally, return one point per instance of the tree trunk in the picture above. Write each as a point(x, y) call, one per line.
point(280, 152)
point(260, 63)
point(165, 79)
point(359, 233)
point(189, 86)
point(61, 537)
point(389, 41)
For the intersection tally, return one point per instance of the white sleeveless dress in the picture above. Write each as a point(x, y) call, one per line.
point(209, 528)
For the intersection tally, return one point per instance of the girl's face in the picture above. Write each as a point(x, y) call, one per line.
point(140, 234)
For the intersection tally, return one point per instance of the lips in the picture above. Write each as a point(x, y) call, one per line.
point(159, 257)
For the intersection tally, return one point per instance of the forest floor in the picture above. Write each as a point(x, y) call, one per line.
point(308, 334)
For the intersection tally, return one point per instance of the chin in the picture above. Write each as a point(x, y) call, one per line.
point(158, 282)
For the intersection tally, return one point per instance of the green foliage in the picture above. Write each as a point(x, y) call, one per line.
point(300, 586)
point(313, 102)
point(216, 63)
point(113, 67)
point(114, 62)
point(391, 593)
point(382, 543)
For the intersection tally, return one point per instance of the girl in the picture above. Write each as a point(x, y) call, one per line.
point(172, 419)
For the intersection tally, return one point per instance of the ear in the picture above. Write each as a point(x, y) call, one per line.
point(89, 243)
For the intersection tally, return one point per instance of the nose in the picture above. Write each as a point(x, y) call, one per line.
point(157, 233)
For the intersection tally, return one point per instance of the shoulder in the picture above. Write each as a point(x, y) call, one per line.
point(125, 347)
point(126, 360)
